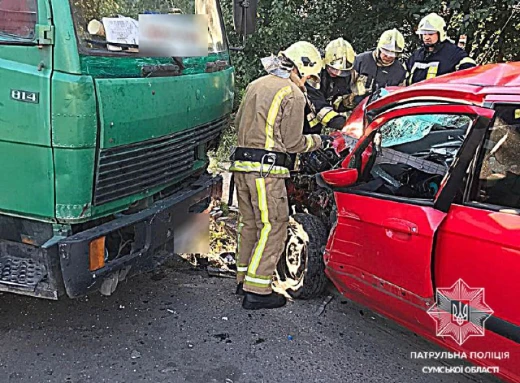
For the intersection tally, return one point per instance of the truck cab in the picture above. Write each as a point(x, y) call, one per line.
point(104, 149)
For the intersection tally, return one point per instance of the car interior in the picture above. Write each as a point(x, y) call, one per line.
point(413, 154)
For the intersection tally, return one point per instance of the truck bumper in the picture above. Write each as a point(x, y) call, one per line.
point(153, 228)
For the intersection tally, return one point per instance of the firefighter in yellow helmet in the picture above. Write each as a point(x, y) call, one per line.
point(325, 102)
point(269, 124)
point(381, 67)
point(438, 55)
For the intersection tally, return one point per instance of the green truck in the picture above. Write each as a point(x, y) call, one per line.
point(102, 149)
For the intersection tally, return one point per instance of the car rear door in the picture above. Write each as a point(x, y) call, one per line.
point(385, 242)
point(479, 241)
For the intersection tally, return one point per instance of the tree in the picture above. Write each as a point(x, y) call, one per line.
point(491, 27)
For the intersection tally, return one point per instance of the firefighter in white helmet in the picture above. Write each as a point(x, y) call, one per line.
point(438, 55)
point(381, 67)
point(325, 108)
point(269, 124)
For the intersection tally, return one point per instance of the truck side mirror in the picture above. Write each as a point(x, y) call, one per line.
point(244, 18)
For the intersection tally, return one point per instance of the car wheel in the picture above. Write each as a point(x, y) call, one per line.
point(301, 271)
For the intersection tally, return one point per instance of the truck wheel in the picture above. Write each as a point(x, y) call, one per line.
point(301, 271)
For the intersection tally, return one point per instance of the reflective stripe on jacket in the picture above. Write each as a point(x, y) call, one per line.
point(271, 117)
point(446, 58)
point(320, 113)
point(369, 76)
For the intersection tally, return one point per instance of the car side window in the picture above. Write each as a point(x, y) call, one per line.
point(18, 19)
point(498, 181)
point(415, 153)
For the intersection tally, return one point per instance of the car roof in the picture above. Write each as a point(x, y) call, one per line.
point(475, 85)
point(491, 75)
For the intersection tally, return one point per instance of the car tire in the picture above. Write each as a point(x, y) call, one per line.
point(301, 270)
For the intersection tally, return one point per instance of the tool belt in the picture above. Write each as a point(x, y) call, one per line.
point(262, 156)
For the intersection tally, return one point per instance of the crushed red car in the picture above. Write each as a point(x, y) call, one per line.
point(415, 214)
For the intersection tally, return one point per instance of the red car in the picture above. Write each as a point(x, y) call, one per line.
point(424, 218)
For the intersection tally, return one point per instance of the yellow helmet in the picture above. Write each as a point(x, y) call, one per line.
point(339, 57)
point(391, 43)
point(433, 23)
point(306, 57)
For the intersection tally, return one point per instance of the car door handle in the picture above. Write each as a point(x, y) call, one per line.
point(400, 225)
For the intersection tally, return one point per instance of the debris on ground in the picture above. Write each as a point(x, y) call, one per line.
point(223, 229)
point(135, 354)
point(220, 262)
point(220, 272)
point(221, 337)
point(229, 259)
point(321, 309)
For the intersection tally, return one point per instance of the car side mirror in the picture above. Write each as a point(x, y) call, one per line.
point(340, 177)
point(244, 19)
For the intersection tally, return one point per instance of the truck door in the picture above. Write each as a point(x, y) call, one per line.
point(385, 236)
point(25, 71)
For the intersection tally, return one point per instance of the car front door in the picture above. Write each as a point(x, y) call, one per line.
point(385, 234)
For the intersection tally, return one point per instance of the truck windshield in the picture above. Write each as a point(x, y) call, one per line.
point(89, 15)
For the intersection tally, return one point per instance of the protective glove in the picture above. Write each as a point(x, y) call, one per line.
point(326, 142)
point(359, 88)
point(345, 102)
point(348, 103)
point(338, 102)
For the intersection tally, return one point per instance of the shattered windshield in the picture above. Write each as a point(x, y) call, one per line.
point(95, 20)
point(413, 128)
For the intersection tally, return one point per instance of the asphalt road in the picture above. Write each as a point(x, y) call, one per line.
point(182, 326)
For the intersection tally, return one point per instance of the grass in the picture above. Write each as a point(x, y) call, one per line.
point(227, 141)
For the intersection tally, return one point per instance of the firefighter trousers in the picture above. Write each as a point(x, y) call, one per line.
point(262, 229)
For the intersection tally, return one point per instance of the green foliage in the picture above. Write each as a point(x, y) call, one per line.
point(282, 22)
point(96, 9)
point(227, 141)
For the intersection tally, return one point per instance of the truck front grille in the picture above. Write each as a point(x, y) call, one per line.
point(135, 168)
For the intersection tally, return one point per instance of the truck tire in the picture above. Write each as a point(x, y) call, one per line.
point(301, 271)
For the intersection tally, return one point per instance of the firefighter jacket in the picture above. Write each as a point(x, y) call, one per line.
point(446, 58)
point(324, 105)
point(271, 118)
point(334, 87)
point(319, 113)
point(371, 76)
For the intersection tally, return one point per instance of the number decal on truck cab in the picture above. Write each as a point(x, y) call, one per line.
point(22, 95)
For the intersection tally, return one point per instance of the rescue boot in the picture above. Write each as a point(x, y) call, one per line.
point(240, 289)
point(256, 301)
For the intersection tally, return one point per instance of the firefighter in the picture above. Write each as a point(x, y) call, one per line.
point(381, 67)
point(325, 106)
point(438, 55)
point(269, 123)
